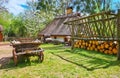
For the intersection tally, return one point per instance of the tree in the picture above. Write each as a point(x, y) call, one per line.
point(87, 6)
point(91, 6)
point(36, 19)
point(55, 7)
point(17, 27)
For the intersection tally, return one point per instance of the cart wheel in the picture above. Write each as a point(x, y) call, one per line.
point(41, 57)
point(14, 57)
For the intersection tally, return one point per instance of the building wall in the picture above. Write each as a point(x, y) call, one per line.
point(59, 38)
point(1, 36)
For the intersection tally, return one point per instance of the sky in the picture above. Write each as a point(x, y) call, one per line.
point(113, 4)
point(17, 6)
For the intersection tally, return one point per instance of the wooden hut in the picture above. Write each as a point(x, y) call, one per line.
point(57, 29)
point(1, 35)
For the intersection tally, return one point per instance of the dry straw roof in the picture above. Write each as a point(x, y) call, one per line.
point(57, 26)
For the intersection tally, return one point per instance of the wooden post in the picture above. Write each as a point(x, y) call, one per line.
point(118, 34)
point(72, 35)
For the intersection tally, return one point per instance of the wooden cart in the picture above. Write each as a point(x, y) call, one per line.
point(26, 49)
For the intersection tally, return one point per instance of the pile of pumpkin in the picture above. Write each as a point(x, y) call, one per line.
point(107, 47)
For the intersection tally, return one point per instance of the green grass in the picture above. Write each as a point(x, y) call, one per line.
point(61, 62)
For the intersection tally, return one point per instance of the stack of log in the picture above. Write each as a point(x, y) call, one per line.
point(107, 47)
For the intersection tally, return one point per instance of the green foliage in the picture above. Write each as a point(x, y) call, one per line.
point(5, 20)
point(35, 22)
point(27, 24)
point(54, 7)
point(17, 28)
point(88, 6)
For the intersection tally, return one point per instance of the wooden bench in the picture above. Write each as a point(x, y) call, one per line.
point(27, 49)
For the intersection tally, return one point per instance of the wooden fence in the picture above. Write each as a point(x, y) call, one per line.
point(103, 26)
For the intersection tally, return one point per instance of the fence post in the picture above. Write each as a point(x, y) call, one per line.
point(72, 34)
point(118, 34)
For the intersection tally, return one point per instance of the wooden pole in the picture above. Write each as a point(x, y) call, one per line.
point(118, 34)
point(72, 35)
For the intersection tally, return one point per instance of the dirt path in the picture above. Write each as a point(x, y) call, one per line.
point(5, 54)
point(5, 51)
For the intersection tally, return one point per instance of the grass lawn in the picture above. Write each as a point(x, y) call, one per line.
point(61, 62)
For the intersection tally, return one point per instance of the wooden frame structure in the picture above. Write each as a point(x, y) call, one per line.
point(103, 26)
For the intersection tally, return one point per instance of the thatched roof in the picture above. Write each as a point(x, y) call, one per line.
point(57, 26)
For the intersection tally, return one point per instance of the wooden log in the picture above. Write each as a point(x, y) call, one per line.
point(96, 49)
point(80, 43)
point(93, 46)
point(82, 46)
point(106, 51)
point(106, 45)
point(76, 42)
point(110, 48)
point(75, 45)
point(90, 42)
point(96, 42)
point(83, 43)
point(86, 44)
point(114, 50)
point(101, 50)
point(102, 46)
point(111, 43)
point(88, 48)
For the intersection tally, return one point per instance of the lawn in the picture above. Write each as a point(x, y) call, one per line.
point(62, 62)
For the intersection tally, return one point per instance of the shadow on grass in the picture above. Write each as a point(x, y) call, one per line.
point(4, 61)
point(91, 60)
point(8, 64)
